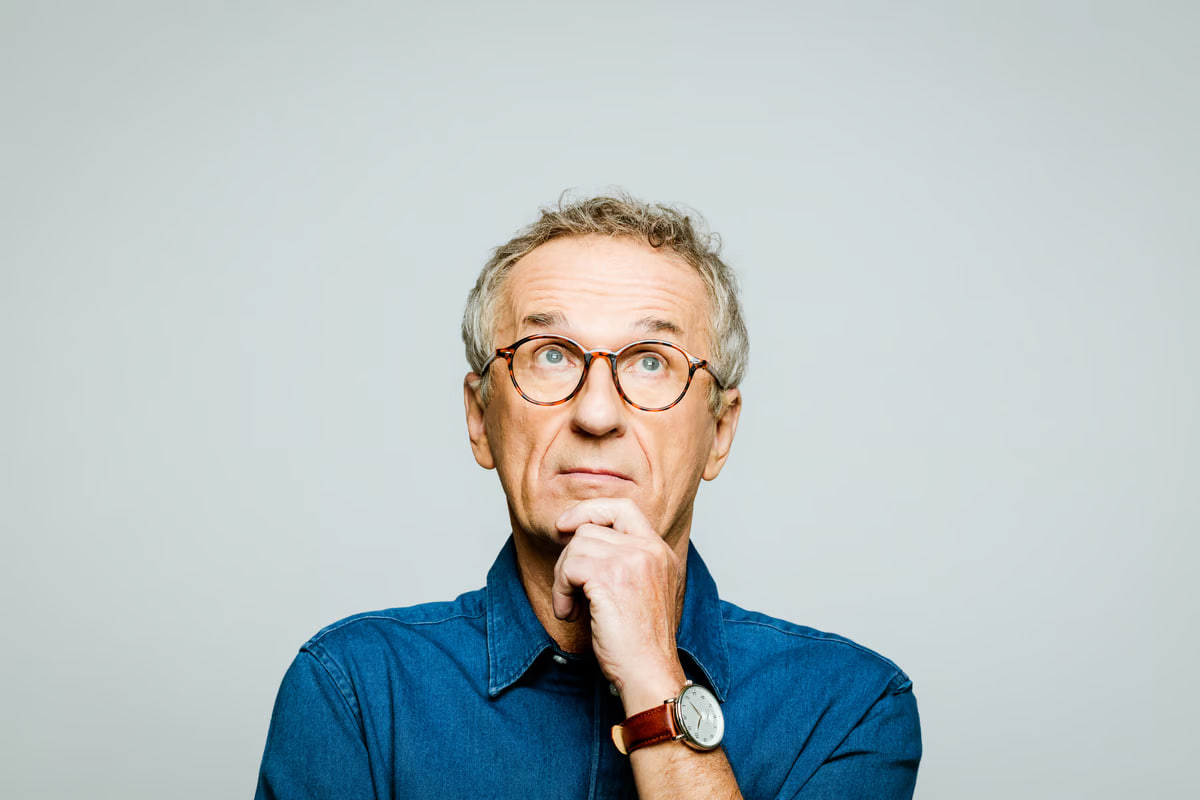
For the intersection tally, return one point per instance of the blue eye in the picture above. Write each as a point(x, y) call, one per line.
point(651, 363)
point(552, 356)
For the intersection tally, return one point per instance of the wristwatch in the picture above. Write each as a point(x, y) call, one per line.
point(694, 717)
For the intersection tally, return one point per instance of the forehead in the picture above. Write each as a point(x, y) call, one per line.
point(604, 291)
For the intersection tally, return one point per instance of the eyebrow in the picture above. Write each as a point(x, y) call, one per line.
point(557, 319)
point(546, 319)
point(656, 325)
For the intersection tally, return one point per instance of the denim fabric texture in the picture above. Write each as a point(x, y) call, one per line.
point(472, 699)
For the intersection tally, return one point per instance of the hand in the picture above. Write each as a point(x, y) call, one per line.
point(617, 568)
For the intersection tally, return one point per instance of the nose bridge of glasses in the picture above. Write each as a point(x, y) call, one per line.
point(608, 355)
point(590, 357)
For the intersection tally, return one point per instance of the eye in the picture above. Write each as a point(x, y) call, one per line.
point(649, 363)
point(552, 355)
point(646, 363)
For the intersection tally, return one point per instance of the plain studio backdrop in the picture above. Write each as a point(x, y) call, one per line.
point(236, 240)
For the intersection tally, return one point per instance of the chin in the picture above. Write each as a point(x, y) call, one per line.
point(588, 492)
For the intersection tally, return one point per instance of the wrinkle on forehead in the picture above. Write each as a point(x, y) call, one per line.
point(605, 288)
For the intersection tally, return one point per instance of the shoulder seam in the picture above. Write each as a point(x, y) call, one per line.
point(386, 618)
point(824, 638)
point(340, 683)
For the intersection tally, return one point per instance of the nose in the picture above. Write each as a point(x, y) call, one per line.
point(598, 409)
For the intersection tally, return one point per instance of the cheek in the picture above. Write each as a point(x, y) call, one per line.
point(500, 432)
point(682, 454)
point(700, 441)
point(514, 435)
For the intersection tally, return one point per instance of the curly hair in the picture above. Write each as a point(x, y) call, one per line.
point(676, 230)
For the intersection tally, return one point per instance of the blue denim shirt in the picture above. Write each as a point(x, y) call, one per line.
point(472, 699)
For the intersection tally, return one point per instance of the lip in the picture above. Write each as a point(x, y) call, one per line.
point(594, 472)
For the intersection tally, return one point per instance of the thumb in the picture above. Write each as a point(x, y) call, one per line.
point(564, 594)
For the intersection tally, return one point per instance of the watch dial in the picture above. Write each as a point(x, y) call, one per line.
point(701, 716)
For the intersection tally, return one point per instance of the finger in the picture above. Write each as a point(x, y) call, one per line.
point(566, 592)
point(575, 565)
point(618, 513)
point(566, 604)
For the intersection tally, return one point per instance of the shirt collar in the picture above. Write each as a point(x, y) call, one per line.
point(516, 638)
point(701, 629)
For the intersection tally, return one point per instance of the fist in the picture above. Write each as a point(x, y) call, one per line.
point(631, 583)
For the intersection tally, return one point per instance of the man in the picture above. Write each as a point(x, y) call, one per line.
point(606, 346)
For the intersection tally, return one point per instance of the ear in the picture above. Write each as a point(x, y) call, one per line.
point(727, 424)
point(476, 423)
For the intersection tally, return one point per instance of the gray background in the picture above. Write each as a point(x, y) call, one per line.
point(236, 241)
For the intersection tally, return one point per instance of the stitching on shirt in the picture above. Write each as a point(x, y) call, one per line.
point(849, 732)
point(597, 739)
point(494, 689)
point(340, 682)
point(497, 683)
point(529, 661)
point(722, 690)
point(821, 638)
point(337, 626)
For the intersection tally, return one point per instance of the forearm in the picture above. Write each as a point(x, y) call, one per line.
point(673, 770)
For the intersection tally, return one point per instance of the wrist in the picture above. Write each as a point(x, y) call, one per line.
point(651, 688)
point(693, 717)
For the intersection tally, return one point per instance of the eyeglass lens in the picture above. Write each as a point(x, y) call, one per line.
point(650, 374)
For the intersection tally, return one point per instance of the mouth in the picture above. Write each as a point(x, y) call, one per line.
point(594, 473)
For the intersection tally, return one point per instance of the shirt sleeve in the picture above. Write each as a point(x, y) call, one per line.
point(878, 759)
point(315, 745)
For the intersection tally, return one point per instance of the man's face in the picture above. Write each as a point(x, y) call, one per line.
point(603, 292)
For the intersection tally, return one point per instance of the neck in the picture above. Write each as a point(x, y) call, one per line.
point(536, 567)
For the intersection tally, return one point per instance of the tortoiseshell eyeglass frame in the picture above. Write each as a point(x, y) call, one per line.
point(588, 355)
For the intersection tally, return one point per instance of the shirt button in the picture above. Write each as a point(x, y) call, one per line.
point(560, 659)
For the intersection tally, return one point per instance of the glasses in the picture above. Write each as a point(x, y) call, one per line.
point(650, 374)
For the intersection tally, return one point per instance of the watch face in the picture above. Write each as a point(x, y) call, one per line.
point(699, 715)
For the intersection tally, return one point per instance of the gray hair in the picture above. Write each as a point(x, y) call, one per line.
point(681, 233)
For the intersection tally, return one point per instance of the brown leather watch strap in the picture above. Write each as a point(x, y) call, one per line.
point(647, 727)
